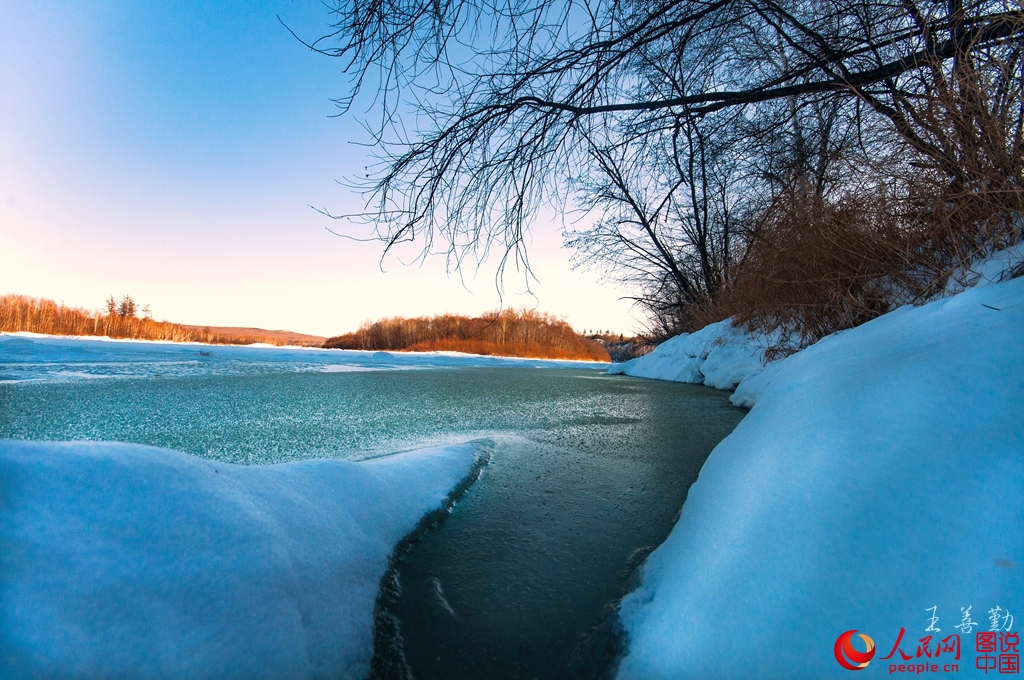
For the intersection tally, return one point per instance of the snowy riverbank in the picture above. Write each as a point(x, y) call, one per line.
point(880, 473)
point(121, 560)
point(718, 355)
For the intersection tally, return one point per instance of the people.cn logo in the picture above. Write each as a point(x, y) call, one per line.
point(850, 658)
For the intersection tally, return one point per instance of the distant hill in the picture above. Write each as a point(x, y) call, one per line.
point(518, 333)
point(279, 337)
point(121, 320)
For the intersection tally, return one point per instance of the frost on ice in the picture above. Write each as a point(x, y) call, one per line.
point(122, 560)
point(34, 357)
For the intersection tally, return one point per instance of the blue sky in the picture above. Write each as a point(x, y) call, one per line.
point(171, 151)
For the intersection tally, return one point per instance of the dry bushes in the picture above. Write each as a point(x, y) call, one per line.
point(817, 267)
point(531, 349)
point(915, 204)
point(950, 229)
point(900, 231)
point(522, 333)
point(813, 268)
point(964, 192)
point(23, 313)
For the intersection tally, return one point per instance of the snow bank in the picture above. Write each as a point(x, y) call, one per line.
point(718, 355)
point(880, 473)
point(728, 358)
point(130, 561)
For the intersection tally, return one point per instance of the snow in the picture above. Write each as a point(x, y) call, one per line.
point(998, 266)
point(879, 474)
point(719, 355)
point(122, 560)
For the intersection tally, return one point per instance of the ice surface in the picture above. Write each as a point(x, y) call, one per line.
point(879, 474)
point(122, 560)
point(29, 356)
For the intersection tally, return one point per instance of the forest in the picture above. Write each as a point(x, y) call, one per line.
point(521, 333)
point(120, 319)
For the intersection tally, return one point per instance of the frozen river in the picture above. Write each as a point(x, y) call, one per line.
point(586, 472)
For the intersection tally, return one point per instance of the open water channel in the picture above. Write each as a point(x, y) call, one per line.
point(587, 473)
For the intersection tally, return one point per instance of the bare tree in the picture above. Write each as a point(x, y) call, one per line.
point(670, 116)
point(503, 90)
point(665, 217)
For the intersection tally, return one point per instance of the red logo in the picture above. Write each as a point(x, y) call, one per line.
point(850, 658)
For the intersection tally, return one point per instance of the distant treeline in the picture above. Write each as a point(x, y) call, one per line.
point(521, 333)
point(119, 320)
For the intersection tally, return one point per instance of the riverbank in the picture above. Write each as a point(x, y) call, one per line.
point(586, 475)
point(878, 475)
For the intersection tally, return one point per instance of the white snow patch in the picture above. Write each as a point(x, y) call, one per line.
point(995, 268)
point(121, 560)
point(880, 473)
point(718, 355)
point(342, 368)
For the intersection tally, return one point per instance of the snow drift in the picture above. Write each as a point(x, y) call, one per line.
point(718, 355)
point(879, 474)
point(122, 560)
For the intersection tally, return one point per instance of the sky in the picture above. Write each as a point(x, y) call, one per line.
point(172, 151)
